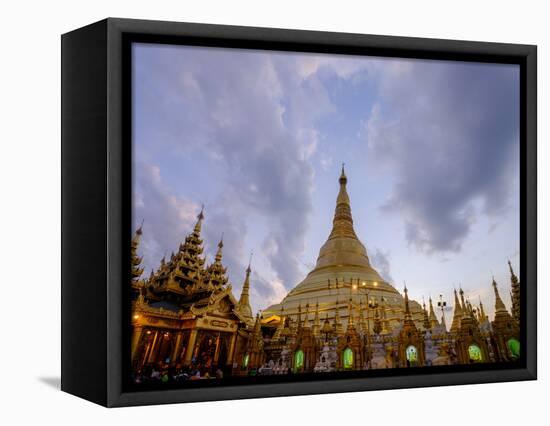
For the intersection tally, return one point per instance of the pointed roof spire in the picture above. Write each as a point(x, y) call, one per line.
point(343, 178)
point(139, 231)
point(516, 294)
point(219, 252)
point(281, 325)
point(499, 304)
point(462, 303)
point(200, 218)
point(342, 246)
point(482, 316)
point(426, 320)
point(257, 325)
point(407, 309)
point(137, 236)
point(457, 316)
point(248, 270)
point(244, 301)
point(135, 260)
point(470, 308)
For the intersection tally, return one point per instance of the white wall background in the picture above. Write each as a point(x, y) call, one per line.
point(30, 210)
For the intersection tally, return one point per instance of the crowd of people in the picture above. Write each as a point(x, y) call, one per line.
point(164, 373)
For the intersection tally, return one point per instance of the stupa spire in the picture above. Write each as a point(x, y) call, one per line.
point(342, 246)
point(216, 272)
point(281, 326)
point(515, 293)
point(457, 316)
point(407, 309)
point(219, 252)
point(499, 304)
point(426, 318)
point(135, 259)
point(342, 223)
point(244, 301)
point(462, 302)
point(257, 325)
point(482, 316)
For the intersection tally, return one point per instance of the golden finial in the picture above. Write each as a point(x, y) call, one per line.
point(499, 304)
point(139, 231)
point(343, 179)
point(219, 252)
point(249, 269)
point(200, 218)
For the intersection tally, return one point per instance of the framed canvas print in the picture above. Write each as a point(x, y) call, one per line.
point(252, 212)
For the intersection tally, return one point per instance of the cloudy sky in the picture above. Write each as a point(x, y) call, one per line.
point(431, 151)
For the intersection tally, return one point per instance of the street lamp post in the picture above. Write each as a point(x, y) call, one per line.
point(442, 304)
point(371, 304)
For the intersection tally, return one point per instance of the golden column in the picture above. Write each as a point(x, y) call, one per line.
point(217, 351)
point(190, 347)
point(150, 355)
point(136, 337)
point(175, 352)
point(231, 356)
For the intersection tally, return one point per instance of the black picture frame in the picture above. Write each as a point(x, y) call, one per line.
point(96, 202)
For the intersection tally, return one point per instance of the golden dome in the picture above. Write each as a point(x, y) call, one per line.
point(342, 273)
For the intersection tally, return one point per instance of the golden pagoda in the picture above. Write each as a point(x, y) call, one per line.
point(343, 271)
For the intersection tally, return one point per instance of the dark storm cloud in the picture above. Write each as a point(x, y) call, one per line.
point(233, 109)
point(450, 133)
point(167, 219)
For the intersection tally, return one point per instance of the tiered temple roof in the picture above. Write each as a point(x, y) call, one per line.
point(185, 283)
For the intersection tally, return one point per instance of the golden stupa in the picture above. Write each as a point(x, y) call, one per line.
point(344, 279)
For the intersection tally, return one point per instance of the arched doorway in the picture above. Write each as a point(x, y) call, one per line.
point(474, 353)
point(246, 358)
point(513, 347)
point(299, 360)
point(411, 354)
point(347, 358)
